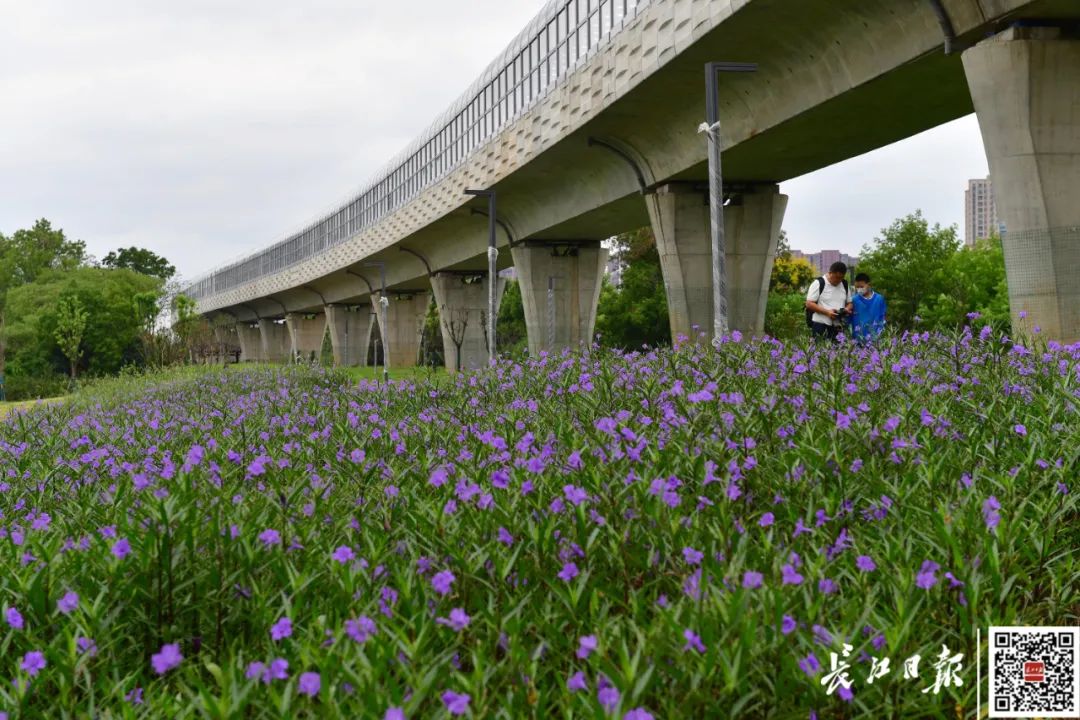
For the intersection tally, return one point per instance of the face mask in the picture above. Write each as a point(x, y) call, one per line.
point(864, 291)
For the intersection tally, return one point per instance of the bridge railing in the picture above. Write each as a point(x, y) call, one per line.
point(554, 42)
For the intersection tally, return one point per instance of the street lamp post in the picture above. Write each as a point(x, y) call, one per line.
point(711, 128)
point(384, 302)
point(493, 256)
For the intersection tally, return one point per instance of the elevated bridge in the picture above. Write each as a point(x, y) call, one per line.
point(587, 126)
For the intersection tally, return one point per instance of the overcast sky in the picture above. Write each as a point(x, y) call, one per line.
point(206, 129)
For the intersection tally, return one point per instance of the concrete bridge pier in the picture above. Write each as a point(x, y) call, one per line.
point(273, 341)
point(405, 316)
point(462, 301)
point(679, 213)
point(305, 336)
point(560, 286)
point(250, 339)
point(350, 333)
point(1025, 84)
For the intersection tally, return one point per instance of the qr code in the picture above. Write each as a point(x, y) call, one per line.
point(1034, 672)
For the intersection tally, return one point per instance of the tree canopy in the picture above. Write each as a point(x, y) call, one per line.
point(904, 264)
point(111, 337)
point(140, 260)
point(634, 313)
point(28, 253)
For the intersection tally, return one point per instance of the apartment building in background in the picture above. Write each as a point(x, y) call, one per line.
point(980, 212)
point(822, 260)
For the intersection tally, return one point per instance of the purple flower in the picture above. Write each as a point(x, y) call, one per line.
point(456, 704)
point(277, 670)
point(458, 620)
point(33, 662)
point(121, 548)
point(751, 579)
point(790, 575)
point(134, 697)
point(281, 629)
point(442, 582)
point(608, 697)
point(1020, 430)
point(86, 646)
point(438, 477)
point(865, 563)
point(693, 641)
point(69, 602)
point(990, 512)
point(505, 537)
point(360, 629)
point(810, 665)
point(343, 554)
point(926, 578)
point(309, 684)
point(766, 520)
point(14, 618)
point(692, 556)
point(575, 495)
point(586, 645)
point(394, 713)
point(254, 670)
point(638, 714)
point(788, 625)
point(167, 659)
point(270, 537)
point(577, 682)
point(569, 572)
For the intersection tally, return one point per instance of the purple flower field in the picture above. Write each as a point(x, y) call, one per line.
point(686, 533)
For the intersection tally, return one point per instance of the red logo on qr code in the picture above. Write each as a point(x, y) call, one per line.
point(1034, 672)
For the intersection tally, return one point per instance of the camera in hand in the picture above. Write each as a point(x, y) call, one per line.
point(842, 313)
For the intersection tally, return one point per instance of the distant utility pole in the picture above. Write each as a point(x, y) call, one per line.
point(711, 127)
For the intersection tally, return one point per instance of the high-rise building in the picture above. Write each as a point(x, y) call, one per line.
point(822, 260)
point(980, 212)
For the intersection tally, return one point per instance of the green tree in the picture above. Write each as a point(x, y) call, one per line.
point(70, 326)
point(635, 313)
point(783, 246)
point(791, 275)
point(975, 282)
point(903, 264)
point(785, 315)
point(140, 260)
point(112, 335)
point(510, 332)
point(26, 255)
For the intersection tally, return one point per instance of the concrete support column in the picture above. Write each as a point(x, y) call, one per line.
point(752, 224)
point(679, 213)
point(405, 315)
point(305, 336)
point(462, 302)
point(250, 339)
point(274, 341)
point(1025, 84)
point(560, 286)
point(350, 333)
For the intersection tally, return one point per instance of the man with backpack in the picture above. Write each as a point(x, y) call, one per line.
point(828, 302)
